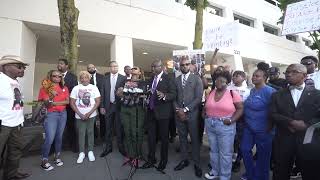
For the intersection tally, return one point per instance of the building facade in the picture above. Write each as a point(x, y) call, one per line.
point(138, 31)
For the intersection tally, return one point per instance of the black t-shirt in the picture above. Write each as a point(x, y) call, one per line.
point(278, 83)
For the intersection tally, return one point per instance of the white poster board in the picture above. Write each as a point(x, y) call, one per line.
point(302, 16)
point(224, 36)
point(197, 58)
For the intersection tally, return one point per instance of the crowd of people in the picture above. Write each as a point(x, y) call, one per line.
point(269, 122)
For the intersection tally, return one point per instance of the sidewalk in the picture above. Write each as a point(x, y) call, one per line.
point(99, 170)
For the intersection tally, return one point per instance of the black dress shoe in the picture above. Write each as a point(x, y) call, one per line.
point(105, 153)
point(182, 165)
point(162, 165)
point(148, 164)
point(197, 171)
point(19, 175)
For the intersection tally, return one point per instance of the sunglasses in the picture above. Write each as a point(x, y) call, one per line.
point(19, 66)
point(292, 72)
point(187, 64)
point(56, 76)
point(307, 63)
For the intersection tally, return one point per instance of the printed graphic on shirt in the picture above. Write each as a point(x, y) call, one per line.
point(84, 98)
point(18, 102)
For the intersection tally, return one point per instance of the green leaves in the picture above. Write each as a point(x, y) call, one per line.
point(193, 4)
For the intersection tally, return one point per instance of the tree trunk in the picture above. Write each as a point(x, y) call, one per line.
point(197, 44)
point(69, 14)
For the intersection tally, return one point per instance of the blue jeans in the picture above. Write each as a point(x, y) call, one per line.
point(53, 126)
point(263, 142)
point(221, 138)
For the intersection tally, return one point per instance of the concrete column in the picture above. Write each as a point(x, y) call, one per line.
point(228, 14)
point(17, 39)
point(122, 52)
point(258, 24)
point(299, 39)
point(238, 62)
point(235, 62)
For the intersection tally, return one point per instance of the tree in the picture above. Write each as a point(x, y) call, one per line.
point(68, 15)
point(314, 35)
point(198, 5)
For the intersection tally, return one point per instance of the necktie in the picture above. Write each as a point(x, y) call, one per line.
point(92, 80)
point(153, 90)
point(295, 87)
point(113, 86)
point(184, 80)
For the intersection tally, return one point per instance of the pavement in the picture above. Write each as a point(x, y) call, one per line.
point(110, 168)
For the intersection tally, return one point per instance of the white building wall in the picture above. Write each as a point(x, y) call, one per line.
point(18, 39)
point(162, 21)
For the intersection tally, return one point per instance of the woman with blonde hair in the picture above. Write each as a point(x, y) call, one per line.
point(84, 100)
point(56, 96)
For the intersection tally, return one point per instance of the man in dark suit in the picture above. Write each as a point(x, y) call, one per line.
point(70, 133)
point(163, 93)
point(294, 110)
point(189, 96)
point(110, 106)
point(97, 80)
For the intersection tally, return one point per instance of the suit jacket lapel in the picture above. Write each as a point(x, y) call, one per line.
point(289, 97)
point(304, 96)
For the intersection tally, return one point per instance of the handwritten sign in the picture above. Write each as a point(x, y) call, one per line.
point(302, 16)
point(220, 37)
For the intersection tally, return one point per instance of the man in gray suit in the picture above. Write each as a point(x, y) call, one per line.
point(189, 96)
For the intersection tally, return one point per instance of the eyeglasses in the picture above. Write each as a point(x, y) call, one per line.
point(292, 72)
point(187, 64)
point(56, 76)
point(19, 66)
point(307, 63)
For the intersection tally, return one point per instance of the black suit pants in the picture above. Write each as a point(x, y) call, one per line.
point(113, 121)
point(162, 126)
point(70, 132)
point(289, 147)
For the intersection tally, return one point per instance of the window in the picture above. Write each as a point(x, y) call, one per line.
point(306, 42)
point(291, 38)
point(244, 20)
point(270, 30)
point(214, 10)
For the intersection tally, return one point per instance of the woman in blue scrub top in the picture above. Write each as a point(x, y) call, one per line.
point(256, 132)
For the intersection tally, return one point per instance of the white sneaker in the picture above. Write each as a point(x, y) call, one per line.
point(91, 156)
point(81, 157)
point(209, 175)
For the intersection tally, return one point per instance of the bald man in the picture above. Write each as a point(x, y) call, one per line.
point(97, 80)
point(293, 111)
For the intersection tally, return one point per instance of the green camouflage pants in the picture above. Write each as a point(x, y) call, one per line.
point(133, 119)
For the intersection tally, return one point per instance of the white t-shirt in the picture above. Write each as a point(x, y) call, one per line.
point(316, 79)
point(11, 102)
point(243, 90)
point(85, 98)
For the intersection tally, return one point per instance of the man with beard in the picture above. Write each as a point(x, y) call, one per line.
point(189, 96)
point(163, 93)
point(11, 115)
point(70, 134)
point(313, 76)
point(97, 79)
point(127, 71)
